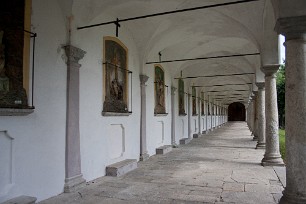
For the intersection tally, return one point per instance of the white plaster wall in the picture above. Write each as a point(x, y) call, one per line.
point(39, 138)
point(105, 139)
point(181, 122)
point(158, 127)
point(194, 125)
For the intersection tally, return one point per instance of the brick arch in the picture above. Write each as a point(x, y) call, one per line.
point(236, 112)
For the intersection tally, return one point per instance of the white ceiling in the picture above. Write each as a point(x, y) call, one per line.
point(227, 30)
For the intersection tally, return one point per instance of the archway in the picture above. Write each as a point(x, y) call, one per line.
point(236, 112)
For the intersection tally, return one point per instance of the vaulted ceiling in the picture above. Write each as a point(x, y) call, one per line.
point(226, 30)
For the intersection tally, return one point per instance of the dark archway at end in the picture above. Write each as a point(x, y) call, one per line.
point(236, 112)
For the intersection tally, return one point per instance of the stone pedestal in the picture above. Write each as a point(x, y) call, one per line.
point(261, 128)
point(294, 29)
point(272, 156)
point(143, 119)
point(73, 175)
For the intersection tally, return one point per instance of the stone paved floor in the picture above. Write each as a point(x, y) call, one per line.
point(221, 167)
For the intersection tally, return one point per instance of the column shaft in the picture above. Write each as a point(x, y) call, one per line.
point(272, 156)
point(173, 142)
point(199, 116)
point(261, 128)
point(73, 175)
point(294, 29)
point(143, 119)
point(189, 116)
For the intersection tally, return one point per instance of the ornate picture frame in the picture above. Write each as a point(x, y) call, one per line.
point(115, 76)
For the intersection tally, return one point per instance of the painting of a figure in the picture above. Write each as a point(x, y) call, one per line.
point(159, 86)
point(13, 54)
point(181, 96)
point(202, 105)
point(194, 101)
point(115, 76)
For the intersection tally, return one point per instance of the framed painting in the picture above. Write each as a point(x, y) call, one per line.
point(202, 104)
point(159, 90)
point(115, 76)
point(194, 101)
point(15, 19)
point(181, 97)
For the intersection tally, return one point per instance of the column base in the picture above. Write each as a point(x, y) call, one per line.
point(260, 145)
point(292, 199)
point(73, 183)
point(144, 157)
point(205, 132)
point(174, 145)
point(272, 160)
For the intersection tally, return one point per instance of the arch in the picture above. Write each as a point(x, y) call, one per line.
point(236, 112)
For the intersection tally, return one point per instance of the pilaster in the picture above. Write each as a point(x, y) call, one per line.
point(173, 142)
point(73, 175)
point(190, 136)
point(143, 119)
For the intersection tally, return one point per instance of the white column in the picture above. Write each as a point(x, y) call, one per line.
point(294, 29)
point(143, 119)
point(261, 144)
point(272, 156)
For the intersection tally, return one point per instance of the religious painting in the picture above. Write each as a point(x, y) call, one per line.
point(202, 104)
point(194, 101)
point(13, 53)
point(181, 96)
point(159, 87)
point(115, 76)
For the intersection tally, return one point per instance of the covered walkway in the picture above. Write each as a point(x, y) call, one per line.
point(220, 167)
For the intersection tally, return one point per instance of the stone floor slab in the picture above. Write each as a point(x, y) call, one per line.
point(220, 167)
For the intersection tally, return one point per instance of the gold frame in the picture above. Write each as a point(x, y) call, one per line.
point(104, 67)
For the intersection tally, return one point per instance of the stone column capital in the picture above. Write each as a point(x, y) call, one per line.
point(73, 54)
point(260, 85)
point(270, 69)
point(292, 27)
point(173, 89)
point(143, 79)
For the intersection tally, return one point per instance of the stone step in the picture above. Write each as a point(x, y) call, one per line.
point(196, 135)
point(21, 200)
point(121, 168)
point(164, 149)
point(184, 141)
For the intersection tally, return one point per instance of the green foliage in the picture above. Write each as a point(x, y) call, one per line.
point(282, 143)
point(280, 86)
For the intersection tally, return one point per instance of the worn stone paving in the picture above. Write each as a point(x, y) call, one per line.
point(220, 167)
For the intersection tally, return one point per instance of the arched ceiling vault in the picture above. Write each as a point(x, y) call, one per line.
point(228, 30)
